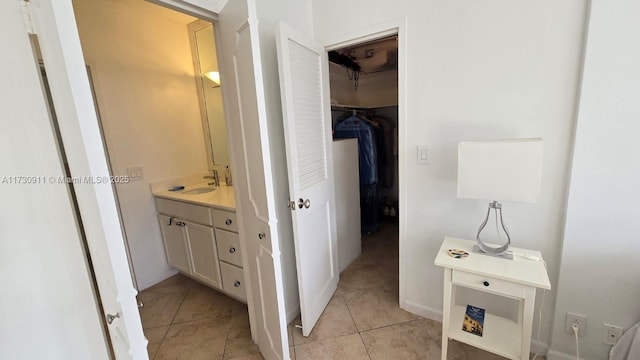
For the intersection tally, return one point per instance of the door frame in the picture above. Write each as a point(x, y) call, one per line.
point(399, 28)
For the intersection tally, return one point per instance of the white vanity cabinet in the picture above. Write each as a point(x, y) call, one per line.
point(202, 242)
point(228, 242)
point(189, 240)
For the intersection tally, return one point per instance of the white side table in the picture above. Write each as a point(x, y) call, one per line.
point(516, 279)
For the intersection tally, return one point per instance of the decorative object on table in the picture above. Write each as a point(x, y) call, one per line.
point(500, 170)
point(458, 254)
point(473, 320)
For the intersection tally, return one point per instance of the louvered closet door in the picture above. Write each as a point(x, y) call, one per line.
point(304, 83)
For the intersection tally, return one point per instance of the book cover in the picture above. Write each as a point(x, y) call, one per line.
point(473, 320)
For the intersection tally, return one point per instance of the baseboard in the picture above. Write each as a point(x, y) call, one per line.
point(424, 311)
point(557, 355)
point(293, 313)
point(156, 279)
point(543, 347)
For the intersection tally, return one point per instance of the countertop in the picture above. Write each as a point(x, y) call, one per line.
point(223, 197)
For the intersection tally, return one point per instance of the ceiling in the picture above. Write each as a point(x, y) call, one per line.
point(374, 56)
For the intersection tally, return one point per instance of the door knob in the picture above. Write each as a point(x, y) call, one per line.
point(291, 204)
point(110, 317)
point(304, 203)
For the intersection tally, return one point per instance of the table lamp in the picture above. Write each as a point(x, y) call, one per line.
point(499, 170)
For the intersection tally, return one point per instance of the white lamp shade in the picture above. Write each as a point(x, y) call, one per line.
point(500, 170)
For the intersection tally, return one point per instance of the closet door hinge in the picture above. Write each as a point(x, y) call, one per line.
point(26, 16)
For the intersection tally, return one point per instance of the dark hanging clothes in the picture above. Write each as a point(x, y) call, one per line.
point(386, 159)
point(368, 155)
point(355, 127)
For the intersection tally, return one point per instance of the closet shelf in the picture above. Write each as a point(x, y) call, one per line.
point(358, 107)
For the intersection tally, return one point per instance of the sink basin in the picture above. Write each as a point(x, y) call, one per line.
point(202, 190)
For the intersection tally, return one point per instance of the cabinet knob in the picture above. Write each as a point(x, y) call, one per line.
point(236, 284)
point(261, 235)
point(180, 223)
point(232, 250)
point(228, 222)
point(485, 283)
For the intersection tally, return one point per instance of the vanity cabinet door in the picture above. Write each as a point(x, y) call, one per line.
point(204, 254)
point(175, 243)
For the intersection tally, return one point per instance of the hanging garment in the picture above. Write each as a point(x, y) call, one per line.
point(386, 158)
point(355, 127)
point(361, 129)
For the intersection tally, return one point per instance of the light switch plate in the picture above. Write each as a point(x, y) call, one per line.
point(424, 155)
point(135, 173)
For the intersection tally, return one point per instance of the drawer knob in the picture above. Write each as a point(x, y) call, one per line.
point(236, 284)
point(485, 283)
point(228, 222)
point(232, 250)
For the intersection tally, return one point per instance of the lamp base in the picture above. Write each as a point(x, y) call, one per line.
point(507, 255)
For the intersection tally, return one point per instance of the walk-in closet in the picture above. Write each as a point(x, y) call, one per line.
point(364, 111)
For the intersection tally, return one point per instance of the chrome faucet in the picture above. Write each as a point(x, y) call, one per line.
point(215, 177)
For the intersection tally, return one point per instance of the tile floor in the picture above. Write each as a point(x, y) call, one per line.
point(185, 320)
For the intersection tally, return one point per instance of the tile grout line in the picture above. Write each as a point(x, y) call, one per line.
point(172, 323)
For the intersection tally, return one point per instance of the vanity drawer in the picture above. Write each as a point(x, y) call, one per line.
point(225, 220)
point(488, 284)
point(229, 247)
point(185, 211)
point(233, 280)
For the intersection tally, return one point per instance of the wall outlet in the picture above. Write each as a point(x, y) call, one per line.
point(611, 334)
point(578, 320)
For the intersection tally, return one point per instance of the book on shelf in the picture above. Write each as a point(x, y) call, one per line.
point(473, 320)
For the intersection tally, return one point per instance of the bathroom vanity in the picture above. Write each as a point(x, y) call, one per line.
point(200, 235)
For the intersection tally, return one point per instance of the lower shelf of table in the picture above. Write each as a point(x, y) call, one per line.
point(500, 336)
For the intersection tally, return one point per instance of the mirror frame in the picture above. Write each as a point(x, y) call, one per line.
point(202, 102)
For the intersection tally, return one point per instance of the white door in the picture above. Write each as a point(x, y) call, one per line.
point(304, 90)
point(246, 121)
point(62, 54)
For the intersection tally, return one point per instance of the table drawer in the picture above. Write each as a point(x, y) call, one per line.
point(233, 280)
point(225, 220)
point(488, 284)
point(229, 247)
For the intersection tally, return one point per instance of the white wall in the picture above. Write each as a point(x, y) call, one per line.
point(374, 90)
point(476, 70)
point(143, 73)
point(600, 268)
point(298, 15)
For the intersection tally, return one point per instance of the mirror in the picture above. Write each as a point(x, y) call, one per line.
point(205, 62)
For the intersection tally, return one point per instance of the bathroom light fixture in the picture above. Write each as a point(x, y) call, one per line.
point(500, 170)
point(213, 76)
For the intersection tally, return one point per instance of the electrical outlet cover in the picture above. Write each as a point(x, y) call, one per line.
point(611, 334)
point(579, 320)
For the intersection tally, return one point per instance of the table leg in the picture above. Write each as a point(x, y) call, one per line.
point(446, 312)
point(529, 302)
